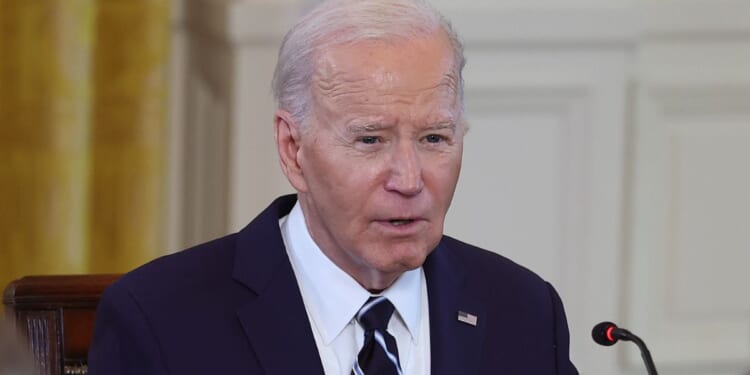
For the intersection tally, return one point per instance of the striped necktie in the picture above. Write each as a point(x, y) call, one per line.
point(379, 354)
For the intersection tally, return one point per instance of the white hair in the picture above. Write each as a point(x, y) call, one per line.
point(337, 22)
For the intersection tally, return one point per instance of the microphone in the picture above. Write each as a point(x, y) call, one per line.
point(607, 334)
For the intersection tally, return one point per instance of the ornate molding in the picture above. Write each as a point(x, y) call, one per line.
point(40, 329)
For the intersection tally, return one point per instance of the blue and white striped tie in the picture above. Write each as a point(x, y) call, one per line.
point(379, 354)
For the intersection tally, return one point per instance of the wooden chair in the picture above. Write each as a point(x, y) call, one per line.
point(56, 314)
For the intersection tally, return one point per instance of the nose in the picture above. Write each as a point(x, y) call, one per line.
point(405, 175)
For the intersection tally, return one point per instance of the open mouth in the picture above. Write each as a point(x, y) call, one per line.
point(400, 222)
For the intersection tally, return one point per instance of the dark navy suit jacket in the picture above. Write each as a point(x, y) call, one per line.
point(232, 306)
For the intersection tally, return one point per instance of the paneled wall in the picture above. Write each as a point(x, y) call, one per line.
point(609, 151)
point(689, 227)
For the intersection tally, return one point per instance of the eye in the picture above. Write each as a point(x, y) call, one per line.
point(369, 139)
point(433, 138)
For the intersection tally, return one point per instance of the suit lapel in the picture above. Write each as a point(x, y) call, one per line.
point(455, 344)
point(275, 321)
point(278, 329)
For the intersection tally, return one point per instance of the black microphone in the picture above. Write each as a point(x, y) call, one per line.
point(607, 334)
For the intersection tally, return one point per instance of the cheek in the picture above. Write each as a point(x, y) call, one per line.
point(354, 177)
point(444, 174)
point(321, 167)
point(342, 184)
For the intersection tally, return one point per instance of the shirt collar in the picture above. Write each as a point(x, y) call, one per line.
point(334, 297)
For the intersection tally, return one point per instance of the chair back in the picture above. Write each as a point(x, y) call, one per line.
point(56, 314)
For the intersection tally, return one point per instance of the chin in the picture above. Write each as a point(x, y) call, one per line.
point(400, 257)
point(411, 259)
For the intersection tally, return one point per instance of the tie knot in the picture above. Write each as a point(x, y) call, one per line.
point(375, 313)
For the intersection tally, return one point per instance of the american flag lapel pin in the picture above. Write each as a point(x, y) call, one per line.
point(467, 318)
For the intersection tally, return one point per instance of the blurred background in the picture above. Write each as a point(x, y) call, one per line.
point(609, 150)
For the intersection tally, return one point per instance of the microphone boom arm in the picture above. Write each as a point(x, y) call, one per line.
point(625, 335)
point(607, 333)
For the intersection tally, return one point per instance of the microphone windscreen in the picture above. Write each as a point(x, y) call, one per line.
point(601, 333)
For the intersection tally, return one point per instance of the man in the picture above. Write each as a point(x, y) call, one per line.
point(353, 274)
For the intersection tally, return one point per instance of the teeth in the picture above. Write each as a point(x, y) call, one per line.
point(400, 222)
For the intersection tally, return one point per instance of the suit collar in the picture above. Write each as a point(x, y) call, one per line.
point(275, 321)
point(259, 252)
point(455, 345)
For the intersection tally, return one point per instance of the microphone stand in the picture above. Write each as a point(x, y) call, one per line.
point(625, 335)
point(607, 334)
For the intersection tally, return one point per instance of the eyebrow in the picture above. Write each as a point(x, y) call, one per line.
point(365, 127)
point(442, 125)
point(359, 128)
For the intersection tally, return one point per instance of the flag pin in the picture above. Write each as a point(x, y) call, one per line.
point(467, 318)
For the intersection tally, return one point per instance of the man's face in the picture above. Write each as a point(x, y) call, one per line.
point(380, 159)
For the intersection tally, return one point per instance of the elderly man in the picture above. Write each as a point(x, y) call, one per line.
point(353, 275)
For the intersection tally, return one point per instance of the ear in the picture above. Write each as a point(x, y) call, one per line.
point(288, 143)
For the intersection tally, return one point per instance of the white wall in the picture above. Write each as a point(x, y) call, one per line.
point(609, 152)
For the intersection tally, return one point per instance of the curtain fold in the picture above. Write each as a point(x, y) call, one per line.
point(82, 127)
point(46, 49)
point(128, 134)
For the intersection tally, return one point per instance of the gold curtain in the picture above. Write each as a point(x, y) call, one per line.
point(82, 134)
point(128, 134)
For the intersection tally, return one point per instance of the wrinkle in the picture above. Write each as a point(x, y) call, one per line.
point(449, 80)
point(338, 86)
point(335, 84)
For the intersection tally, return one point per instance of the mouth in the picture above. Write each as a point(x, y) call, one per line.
point(401, 222)
point(402, 226)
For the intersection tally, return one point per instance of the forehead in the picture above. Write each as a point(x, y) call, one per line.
point(414, 71)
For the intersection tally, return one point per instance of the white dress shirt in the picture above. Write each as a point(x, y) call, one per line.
point(332, 299)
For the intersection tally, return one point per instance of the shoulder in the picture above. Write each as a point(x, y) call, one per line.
point(187, 276)
point(488, 266)
point(191, 265)
point(528, 323)
point(498, 281)
point(139, 317)
point(205, 272)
